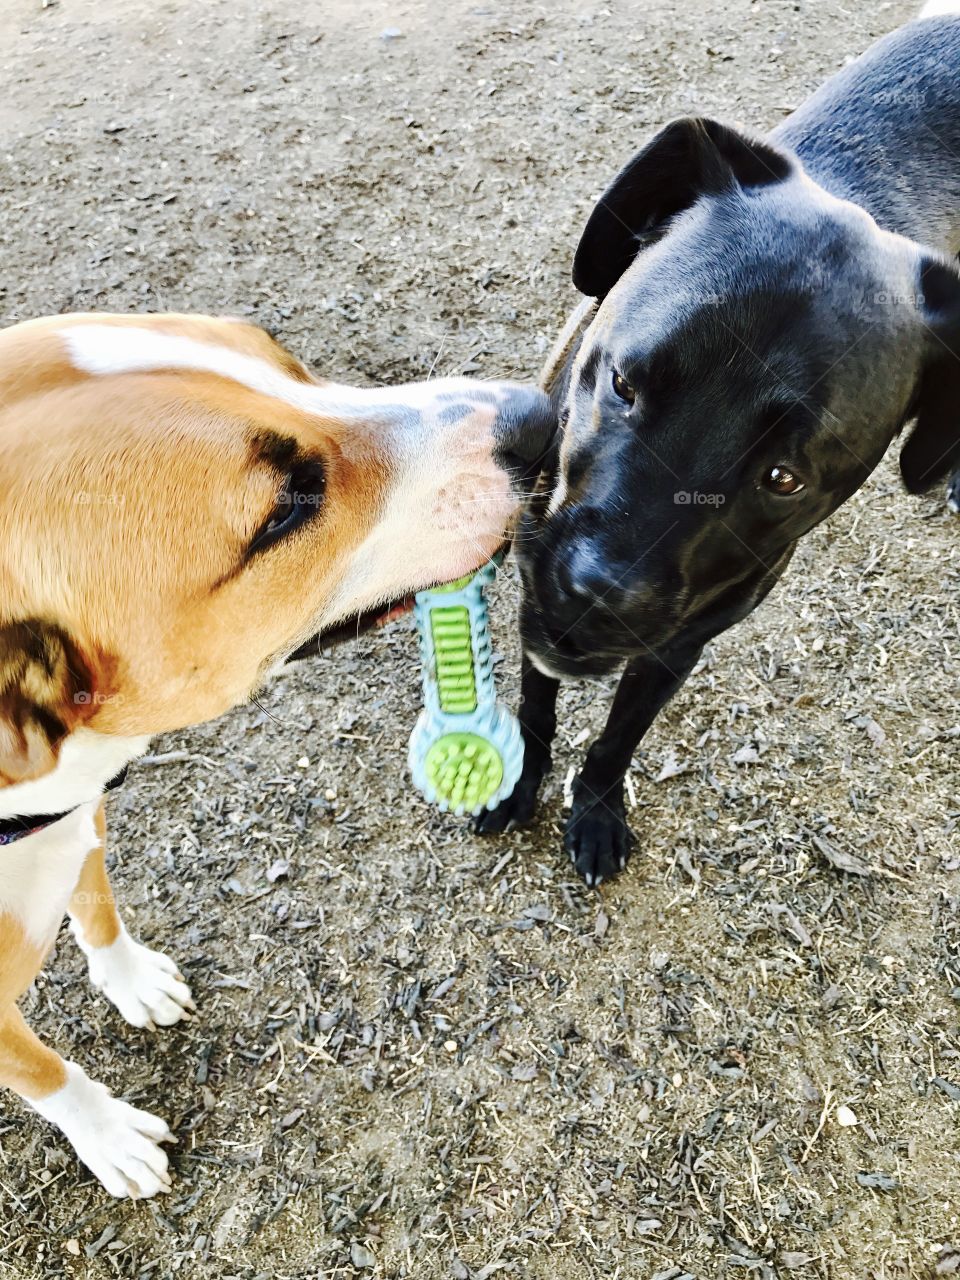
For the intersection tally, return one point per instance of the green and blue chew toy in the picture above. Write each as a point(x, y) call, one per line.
point(466, 751)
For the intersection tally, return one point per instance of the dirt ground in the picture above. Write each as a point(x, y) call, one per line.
point(419, 1054)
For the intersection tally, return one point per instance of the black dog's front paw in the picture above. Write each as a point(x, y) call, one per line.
point(518, 808)
point(516, 811)
point(598, 838)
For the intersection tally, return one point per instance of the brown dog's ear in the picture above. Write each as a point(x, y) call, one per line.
point(933, 448)
point(690, 158)
point(45, 693)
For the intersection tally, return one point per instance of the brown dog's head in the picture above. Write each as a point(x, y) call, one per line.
point(183, 505)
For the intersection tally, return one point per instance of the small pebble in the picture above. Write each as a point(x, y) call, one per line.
point(361, 1256)
point(450, 1046)
point(846, 1118)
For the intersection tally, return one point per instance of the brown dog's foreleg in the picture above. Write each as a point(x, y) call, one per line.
point(119, 1143)
point(27, 1065)
point(144, 985)
point(93, 911)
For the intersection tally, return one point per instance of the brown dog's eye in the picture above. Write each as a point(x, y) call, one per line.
point(622, 388)
point(298, 499)
point(782, 480)
point(285, 508)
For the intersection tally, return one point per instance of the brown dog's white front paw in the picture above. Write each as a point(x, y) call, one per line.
point(118, 1143)
point(144, 985)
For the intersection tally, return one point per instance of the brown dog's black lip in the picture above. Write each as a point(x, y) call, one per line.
point(359, 624)
point(352, 628)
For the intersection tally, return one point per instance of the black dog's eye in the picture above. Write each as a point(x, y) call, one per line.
point(783, 481)
point(622, 388)
point(298, 499)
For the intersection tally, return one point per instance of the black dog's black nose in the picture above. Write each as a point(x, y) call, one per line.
point(524, 428)
point(585, 575)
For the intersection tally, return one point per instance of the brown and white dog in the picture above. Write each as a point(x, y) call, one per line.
point(182, 505)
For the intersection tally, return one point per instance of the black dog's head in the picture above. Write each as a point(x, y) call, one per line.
point(757, 345)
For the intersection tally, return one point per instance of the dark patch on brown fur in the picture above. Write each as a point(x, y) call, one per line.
point(277, 451)
point(46, 690)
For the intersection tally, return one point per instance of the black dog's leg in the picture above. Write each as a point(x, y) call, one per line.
point(538, 724)
point(597, 836)
point(953, 493)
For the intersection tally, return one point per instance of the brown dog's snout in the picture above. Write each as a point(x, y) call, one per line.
point(524, 429)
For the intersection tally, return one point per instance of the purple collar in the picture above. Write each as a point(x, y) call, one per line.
point(13, 829)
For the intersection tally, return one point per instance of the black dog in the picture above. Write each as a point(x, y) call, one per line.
point(770, 315)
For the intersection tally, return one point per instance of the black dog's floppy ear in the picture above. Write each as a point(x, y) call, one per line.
point(933, 448)
point(690, 158)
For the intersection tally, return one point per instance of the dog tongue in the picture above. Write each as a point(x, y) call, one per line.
point(395, 611)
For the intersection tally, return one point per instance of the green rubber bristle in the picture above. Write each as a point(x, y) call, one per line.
point(456, 687)
point(465, 769)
